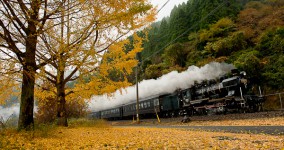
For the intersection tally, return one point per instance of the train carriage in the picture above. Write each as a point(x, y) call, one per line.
point(146, 106)
point(114, 113)
point(169, 105)
point(96, 115)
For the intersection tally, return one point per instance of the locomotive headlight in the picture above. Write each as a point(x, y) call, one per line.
point(230, 93)
point(243, 73)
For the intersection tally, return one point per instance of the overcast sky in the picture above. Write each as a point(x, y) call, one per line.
point(167, 9)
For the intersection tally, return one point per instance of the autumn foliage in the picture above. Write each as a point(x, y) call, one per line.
point(47, 105)
point(112, 73)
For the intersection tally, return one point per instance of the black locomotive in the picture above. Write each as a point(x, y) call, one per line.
point(227, 94)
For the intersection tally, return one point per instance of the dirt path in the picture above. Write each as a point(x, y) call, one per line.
point(271, 130)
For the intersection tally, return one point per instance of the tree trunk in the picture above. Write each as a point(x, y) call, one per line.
point(61, 109)
point(26, 120)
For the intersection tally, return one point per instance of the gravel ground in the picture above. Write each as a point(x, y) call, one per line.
point(271, 123)
point(271, 118)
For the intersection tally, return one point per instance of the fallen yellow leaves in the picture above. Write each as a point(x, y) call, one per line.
point(136, 138)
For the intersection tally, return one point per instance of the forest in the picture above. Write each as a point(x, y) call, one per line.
point(248, 34)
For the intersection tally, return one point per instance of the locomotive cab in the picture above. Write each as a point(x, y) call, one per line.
point(231, 85)
point(185, 96)
point(236, 85)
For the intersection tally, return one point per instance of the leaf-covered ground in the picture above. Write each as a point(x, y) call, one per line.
point(135, 138)
point(96, 134)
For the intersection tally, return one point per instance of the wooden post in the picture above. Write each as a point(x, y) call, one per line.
point(137, 96)
point(280, 101)
point(157, 115)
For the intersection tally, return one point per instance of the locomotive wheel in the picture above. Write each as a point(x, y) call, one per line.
point(242, 110)
point(260, 107)
point(225, 111)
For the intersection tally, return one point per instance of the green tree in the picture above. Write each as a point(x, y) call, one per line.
point(175, 54)
point(177, 26)
point(225, 46)
point(163, 35)
point(154, 71)
point(273, 72)
point(250, 62)
point(272, 42)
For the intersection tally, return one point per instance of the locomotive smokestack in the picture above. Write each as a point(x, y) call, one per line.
point(235, 72)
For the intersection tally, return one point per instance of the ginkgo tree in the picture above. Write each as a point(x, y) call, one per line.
point(38, 32)
point(89, 30)
point(21, 24)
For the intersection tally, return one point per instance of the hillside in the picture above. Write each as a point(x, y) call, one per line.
point(247, 34)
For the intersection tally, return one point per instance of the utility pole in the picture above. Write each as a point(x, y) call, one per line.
point(137, 95)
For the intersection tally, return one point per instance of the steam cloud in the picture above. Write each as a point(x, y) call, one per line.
point(166, 84)
point(7, 112)
point(12, 112)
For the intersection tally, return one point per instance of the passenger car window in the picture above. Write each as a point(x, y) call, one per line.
point(156, 102)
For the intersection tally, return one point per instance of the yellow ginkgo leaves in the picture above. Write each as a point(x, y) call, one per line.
point(137, 138)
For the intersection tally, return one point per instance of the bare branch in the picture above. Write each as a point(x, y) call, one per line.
point(14, 15)
point(8, 55)
point(70, 92)
point(48, 16)
point(24, 8)
point(12, 45)
point(70, 75)
point(51, 75)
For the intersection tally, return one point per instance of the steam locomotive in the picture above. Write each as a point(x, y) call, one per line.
point(230, 93)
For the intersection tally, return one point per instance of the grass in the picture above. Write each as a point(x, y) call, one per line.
point(84, 122)
point(46, 130)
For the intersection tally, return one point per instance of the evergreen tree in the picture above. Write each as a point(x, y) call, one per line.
point(178, 26)
point(163, 34)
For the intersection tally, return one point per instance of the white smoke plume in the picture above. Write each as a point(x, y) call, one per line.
point(166, 84)
point(7, 112)
point(12, 112)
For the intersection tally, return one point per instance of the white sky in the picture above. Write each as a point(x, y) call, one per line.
point(167, 9)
